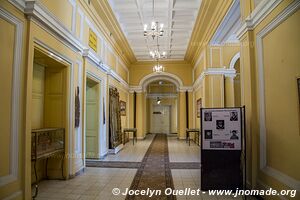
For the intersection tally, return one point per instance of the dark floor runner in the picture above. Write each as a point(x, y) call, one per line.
point(154, 172)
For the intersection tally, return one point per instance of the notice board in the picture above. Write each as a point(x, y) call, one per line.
point(221, 148)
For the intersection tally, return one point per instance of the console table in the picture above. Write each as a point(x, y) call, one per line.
point(46, 143)
point(127, 131)
point(197, 133)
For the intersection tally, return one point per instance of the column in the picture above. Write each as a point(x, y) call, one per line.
point(181, 116)
point(229, 91)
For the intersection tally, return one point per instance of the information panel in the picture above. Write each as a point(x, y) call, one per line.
point(221, 129)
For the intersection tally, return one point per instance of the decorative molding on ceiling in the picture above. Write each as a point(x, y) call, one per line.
point(226, 32)
point(212, 13)
point(178, 18)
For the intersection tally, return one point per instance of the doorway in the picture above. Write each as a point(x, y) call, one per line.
point(161, 119)
point(49, 121)
point(92, 119)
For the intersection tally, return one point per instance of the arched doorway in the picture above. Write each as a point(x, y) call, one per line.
point(161, 100)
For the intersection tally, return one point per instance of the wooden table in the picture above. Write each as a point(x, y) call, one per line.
point(130, 130)
point(192, 130)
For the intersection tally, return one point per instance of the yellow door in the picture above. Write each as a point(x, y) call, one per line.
point(92, 119)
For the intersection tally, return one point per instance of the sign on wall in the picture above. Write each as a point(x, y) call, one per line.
point(93, 40)
point(221, 129)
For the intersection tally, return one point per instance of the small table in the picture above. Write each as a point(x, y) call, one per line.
point(130, 130)
point(192, 130)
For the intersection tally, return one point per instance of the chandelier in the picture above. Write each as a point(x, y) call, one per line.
point(157, 55)
point(158, 67)
point(156, 29)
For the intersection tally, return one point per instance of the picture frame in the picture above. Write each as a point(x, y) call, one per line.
point(298, 83)
point(123, 108)
point(199, 106)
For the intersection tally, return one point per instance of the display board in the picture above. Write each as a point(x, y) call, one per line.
point(221, 129)
point(222, 147)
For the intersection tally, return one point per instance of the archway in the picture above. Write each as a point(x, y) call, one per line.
point(235, 64)
point(161, 100)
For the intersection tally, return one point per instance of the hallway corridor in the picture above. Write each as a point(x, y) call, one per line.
point(166, 162)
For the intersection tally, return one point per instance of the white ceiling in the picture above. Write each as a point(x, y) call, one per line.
point(178, 17)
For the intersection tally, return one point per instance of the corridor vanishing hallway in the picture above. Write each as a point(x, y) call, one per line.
point(158, 162)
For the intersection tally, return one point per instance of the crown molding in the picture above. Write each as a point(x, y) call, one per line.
point(210, 15)
point(228, 27)
point(259, 13)
point(106, 14)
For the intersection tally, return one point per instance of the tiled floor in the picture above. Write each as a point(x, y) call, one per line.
point(132, 153)
point(97, 183)
point(180, 151)
point(94, 183)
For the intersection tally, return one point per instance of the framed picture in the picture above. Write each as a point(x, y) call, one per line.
point(199, 105)
point(123, 108)
point(298, 83)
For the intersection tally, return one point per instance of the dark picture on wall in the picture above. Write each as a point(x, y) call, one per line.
point(234, 135)
point(220, 124)
point(207, 116)
point(123, 108)
point(208, 134)
point(77, 108)
point(298, 81)
point(234, 116)
point(199, 105)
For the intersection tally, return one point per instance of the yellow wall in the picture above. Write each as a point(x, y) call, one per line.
point(7, 42)
point(181, 69)
point(63, 12)
point(280, 66)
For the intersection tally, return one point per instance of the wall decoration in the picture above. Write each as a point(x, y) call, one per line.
point(123, 108)
point(298, 81)
point(103, 111)
point(221, 128)
point(199, 106)
point(77, 108)
point(115, 133)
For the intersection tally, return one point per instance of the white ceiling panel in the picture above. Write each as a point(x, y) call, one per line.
point(178, 17)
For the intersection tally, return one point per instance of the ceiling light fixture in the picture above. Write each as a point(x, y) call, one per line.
point(156, 29)
point(158, 68)
point(158, 100)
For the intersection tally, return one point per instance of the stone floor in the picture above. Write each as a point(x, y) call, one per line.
point(98, 183)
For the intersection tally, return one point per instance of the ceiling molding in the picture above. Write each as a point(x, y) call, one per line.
point(177, 16)
point(226, 32)
point(106, 14)
point(210, 16)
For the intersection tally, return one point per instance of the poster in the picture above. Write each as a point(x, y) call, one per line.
point(221, 129)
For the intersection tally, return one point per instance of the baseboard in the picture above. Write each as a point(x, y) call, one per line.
point(81, 171)
point(116, 150)
point(103, 155)
point(264, 186)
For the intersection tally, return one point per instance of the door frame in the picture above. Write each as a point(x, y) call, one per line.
point(101, 126)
